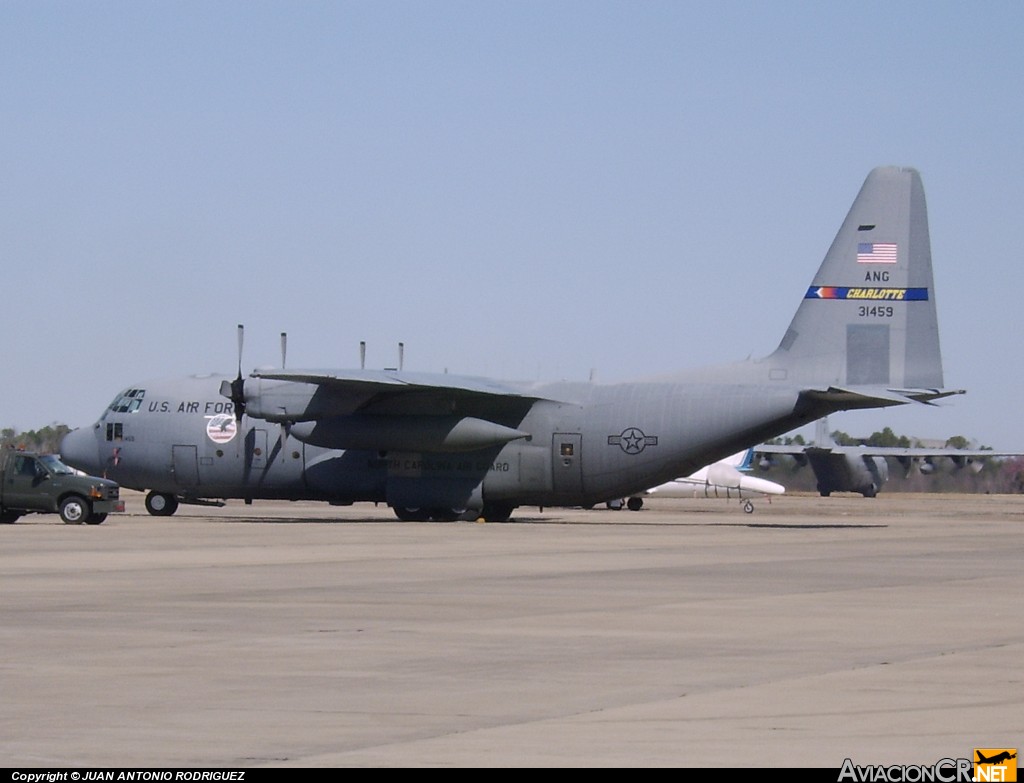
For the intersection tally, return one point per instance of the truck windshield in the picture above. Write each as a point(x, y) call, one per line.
point(54, 465)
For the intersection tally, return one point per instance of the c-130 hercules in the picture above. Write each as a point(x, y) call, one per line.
point(438, 446)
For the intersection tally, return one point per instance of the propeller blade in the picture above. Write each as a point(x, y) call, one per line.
point(241, 339)
point(285, 425)
point(238, 385)
point(286, 431)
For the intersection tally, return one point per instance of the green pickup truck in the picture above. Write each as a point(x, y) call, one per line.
point(42, 484)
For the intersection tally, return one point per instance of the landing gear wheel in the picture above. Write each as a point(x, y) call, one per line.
point(446, 514)
point(748, 507)
point(8, 517)
point(95, 519)
point(411, 514)
point(160, 504)
point(497, 512)
point(74, 510)
point(635, 504)
point(615, 505)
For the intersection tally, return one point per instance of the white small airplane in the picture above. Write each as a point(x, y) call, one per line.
point(723, 479)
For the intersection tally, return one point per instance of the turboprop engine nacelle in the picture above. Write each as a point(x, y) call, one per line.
point(405, 433)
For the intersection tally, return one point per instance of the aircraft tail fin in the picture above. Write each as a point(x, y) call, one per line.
point(868, 318)
point(742, 461)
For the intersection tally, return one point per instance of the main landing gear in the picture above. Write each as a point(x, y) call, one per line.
point(160, 504)
point(491, 513)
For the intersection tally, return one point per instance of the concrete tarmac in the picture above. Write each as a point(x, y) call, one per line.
point(887, 631)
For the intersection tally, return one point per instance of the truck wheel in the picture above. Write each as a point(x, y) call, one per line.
point(95, 519)
point(160, 504)
point(74, 510)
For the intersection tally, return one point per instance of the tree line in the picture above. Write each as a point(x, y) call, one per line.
point(46, 440)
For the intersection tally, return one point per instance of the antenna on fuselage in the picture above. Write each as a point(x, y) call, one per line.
point(362, 354)
point(284, 348)
point(401, 356)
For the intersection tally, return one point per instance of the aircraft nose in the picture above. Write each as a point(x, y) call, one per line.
point(80, 450)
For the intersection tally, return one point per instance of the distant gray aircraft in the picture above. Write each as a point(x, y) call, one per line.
point(865, 469)
point(437, 446)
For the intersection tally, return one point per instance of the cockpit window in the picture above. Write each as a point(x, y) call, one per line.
point(129, 401)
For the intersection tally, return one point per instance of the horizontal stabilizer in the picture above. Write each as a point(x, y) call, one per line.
point(871, 397)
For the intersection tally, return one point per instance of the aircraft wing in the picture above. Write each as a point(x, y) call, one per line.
point(387, 410)
point(308, 395)
point(387, 382)
point(718, 484)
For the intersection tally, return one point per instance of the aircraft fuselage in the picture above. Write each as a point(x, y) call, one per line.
point(597, 443)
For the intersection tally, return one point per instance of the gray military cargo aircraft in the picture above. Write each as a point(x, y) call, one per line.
point(438, 446)
point(865, 469)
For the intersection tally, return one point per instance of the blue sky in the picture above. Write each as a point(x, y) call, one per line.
point(527, 190)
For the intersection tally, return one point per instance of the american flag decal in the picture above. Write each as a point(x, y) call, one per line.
point(876, 253)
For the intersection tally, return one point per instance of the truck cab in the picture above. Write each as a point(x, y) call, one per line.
point(33, 483)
